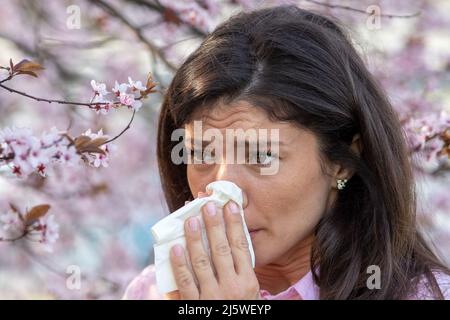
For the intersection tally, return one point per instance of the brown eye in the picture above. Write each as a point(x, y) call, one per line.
point(265, 158)
point(262, 158)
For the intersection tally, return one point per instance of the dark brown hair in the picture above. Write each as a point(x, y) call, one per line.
point(300, 66)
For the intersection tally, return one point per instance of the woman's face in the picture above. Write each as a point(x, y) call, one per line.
point(286, 206)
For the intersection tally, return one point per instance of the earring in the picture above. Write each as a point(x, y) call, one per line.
point(341, 183)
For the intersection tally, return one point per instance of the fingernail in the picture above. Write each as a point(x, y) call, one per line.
point(193, 224)
point(211, 209)
point(200, 194)
point(178, 250)
point(233, 207)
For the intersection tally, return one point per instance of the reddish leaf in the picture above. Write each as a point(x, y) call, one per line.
point(86, 144)
point(27, 66)
point(31, 73)
point(99, 188)
point(36, 212)
point(81, 141)
point(149, 86)
point(92, 149)
point(97, 142)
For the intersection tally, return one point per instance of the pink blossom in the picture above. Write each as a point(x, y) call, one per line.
point(103, 105)
point(50, 138)
point(126, 99)
point(50, 231)
point(70, 156)
point(98, 159)
point(135, 86)
point(119, 88)
point(92, 135)
point(26, 153)
point(10, 220)
point(45, 231)
point(191, 12)
point(106, 108)
point(99, 88)
point(129, 101)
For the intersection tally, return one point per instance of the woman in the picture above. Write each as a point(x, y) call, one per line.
point(338, 219)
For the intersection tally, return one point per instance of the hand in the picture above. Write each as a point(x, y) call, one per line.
point(231, 276)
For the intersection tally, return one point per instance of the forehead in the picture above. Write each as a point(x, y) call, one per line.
point(237, 115)
point(245, 116)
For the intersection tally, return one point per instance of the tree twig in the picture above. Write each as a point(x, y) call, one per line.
point(22, 235)
point(137, 31)
point(161, 9)
point(343, 7)
point(123, 131)
point(87, 104)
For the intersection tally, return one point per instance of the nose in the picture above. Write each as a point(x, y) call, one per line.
point(230, 172)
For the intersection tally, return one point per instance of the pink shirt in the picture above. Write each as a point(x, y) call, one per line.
point(144, 287)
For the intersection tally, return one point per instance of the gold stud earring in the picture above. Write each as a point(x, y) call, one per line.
point(341, 183)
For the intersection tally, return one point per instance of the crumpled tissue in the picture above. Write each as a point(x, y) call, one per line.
point(170, 230)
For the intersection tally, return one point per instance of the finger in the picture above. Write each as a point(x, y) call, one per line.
point(202, 194)
point(199, 258)
point(237, 239)
point(173, 295)
point(182, 274)
point(218, 242)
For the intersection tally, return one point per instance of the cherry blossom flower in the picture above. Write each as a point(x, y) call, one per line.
point(51, 138)
point(10, 220)
point(48, 231)
point(129, 101)
point(25, 153)
point(99, 88)
point(70, 156)
point(191, 12)
point(99, 159)
point(35, 225)
point(135, 86)
point(92, 135)
point(103, 106)
point(119, 88)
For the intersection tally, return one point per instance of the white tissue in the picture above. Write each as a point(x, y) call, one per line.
point(170, 230)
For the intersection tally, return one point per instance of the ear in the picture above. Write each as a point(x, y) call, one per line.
point(356, 145)
point(346, 173)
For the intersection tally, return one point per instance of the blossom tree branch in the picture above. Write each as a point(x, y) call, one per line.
point(137, 31)
point(27, 153)
point(344, 7)
point(169, 15)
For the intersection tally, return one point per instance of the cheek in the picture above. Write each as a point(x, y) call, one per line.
point(197, 180)
point(292, 204)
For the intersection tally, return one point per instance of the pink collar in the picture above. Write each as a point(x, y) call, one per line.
point(304, 289)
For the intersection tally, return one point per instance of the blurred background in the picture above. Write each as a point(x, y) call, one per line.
point(105, 214)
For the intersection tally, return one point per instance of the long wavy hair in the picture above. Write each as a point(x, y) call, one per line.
point(300, 66)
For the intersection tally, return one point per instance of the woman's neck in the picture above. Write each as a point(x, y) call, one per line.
point(277, 277)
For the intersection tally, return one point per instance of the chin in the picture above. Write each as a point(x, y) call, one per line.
point(260, 259)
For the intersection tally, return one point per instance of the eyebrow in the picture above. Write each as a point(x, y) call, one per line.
point(206, 143)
